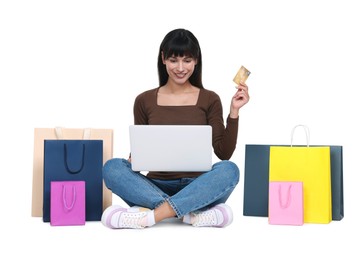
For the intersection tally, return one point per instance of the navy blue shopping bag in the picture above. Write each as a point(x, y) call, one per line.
point(75, 160)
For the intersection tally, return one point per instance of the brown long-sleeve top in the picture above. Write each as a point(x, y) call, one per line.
point(207, 111)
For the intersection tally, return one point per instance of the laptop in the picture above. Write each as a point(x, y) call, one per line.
point(174, 148)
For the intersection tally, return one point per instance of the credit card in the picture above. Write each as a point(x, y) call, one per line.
point(242, 75)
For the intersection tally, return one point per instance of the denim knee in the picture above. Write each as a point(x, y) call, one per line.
point(111, 169)
point(231, 170)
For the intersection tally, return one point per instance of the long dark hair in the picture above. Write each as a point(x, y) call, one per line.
point(180, 42)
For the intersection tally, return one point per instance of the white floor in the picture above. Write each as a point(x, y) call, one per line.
point(246, 237)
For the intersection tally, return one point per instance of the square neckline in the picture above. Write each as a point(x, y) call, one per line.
point(197, 101)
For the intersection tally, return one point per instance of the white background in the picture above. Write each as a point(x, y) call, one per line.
point(81, 64)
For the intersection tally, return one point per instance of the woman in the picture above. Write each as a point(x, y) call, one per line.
point(197, 198)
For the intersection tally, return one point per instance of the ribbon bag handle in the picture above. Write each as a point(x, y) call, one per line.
point(288, 202)
point(69, 208)
point(86, 133)
point(307, 132)
point(59, 133)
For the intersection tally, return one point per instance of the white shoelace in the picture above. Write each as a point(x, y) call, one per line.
point(131, 219)
point(206, 218)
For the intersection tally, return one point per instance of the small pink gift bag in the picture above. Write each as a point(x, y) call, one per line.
point(285, 204)
point(67, 203)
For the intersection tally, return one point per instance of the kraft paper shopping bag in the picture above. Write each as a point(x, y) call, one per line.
point(58, 133)
point(68, 203)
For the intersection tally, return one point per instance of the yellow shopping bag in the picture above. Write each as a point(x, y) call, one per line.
point(311, 165)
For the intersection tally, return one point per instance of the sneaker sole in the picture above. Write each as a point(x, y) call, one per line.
point(108, 213)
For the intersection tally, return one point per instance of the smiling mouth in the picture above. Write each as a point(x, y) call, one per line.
point(180, 75)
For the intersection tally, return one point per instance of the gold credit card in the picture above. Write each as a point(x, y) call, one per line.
point(242, 75)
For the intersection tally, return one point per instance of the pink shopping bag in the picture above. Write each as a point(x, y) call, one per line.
point(67, 203)
point(285, 203)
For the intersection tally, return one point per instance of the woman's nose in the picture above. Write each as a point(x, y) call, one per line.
point(180, 66)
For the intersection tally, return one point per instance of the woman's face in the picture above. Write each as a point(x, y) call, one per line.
point(180, 69)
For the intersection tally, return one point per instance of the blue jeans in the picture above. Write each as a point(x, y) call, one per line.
point(185, 195)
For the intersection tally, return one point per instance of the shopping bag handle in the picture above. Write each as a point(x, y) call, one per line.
point(68, 208)
point(66, 162)
point(59, 133)
point(285, 205)
point(307, 132)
